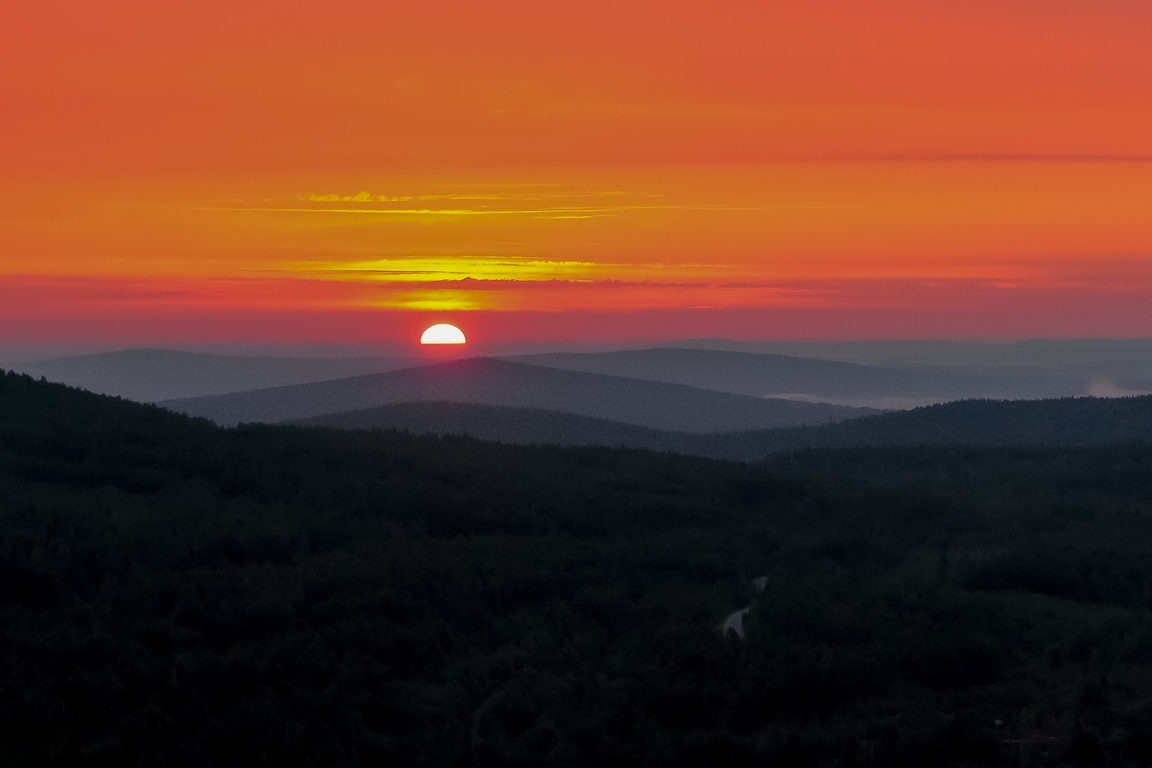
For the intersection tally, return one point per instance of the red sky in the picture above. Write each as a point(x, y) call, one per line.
point(179, 173)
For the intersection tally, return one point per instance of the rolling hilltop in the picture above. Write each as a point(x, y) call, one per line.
point(1067, 421)
point(984, 423)
point(653, 404)
point(521, 426)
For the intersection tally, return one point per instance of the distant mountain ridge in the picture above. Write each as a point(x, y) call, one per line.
point(774, 375)
point(488, 381)
point(150, 375)
point(1069, 366)
point(880, 374)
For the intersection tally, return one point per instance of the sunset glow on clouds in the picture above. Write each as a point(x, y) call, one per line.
point(581, 172)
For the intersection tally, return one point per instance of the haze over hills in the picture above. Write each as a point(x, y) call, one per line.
point(1070, 367)
point(150, 375)
point(944, 352)
point(814, 380)
point(876, 374)
point(913, 373)
point(488, 381)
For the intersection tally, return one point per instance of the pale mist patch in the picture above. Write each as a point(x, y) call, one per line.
point(881, 403)
point(1101, 387)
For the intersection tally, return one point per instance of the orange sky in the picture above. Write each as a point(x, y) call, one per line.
point(596, 171)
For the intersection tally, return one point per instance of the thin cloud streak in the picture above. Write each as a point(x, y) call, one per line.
point(559, 212)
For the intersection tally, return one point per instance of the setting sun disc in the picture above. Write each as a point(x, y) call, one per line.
point(442, 333)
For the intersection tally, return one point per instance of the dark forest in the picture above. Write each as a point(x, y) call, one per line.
point(175, 593)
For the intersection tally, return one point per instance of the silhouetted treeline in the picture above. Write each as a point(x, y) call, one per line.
point(520, 426)
point(173, 593)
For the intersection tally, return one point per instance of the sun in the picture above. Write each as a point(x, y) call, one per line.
point(442, 333)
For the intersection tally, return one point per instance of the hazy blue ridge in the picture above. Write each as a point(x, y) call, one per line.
point(1099, 357)
point(652, 404)
point(765, 375)
point(149, 375)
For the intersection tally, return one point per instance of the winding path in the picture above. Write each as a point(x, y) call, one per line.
point(735, 620)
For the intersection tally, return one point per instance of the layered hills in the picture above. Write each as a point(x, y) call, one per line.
point(775, 375)
point(879, 374)
point(487, 381)
point(1034, 367)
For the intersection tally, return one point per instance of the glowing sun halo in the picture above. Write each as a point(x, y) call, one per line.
point(442, 333)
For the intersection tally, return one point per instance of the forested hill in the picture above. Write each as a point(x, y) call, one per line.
point(989, 423)
point(176, 593)
point(1068, 421)
point(522, 426)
